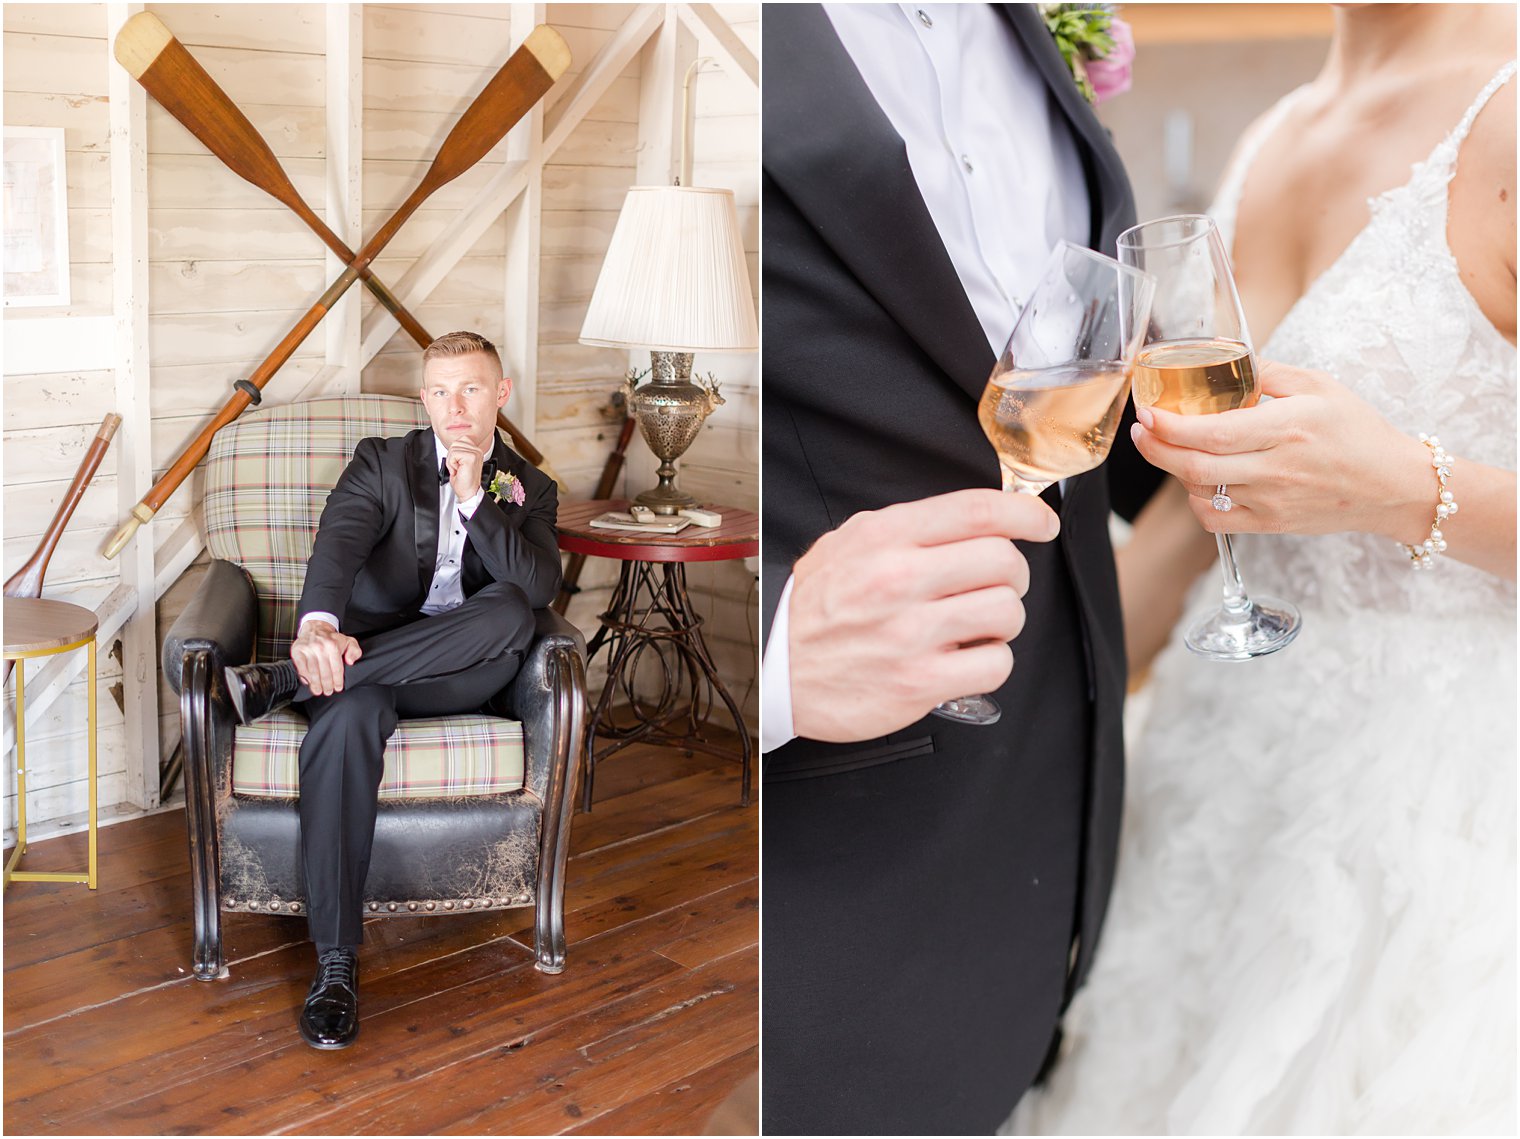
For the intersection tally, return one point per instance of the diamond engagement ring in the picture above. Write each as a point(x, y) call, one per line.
point(1223, 502)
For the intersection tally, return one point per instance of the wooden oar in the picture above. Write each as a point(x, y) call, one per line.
point(155, 58)
point(512, 91)
point(27, 581)
point(167, 71)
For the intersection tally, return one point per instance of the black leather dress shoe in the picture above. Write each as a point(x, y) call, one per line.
point(331, 1016)
point(259, 689)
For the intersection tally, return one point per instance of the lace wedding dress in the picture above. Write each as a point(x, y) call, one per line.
point(1313, 925)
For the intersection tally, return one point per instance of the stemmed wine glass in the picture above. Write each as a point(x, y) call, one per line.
point(1197, 360)
point(1055, 397)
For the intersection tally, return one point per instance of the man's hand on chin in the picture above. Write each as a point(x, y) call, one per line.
point(903, 608)
point(320, 653)
point(465, 462)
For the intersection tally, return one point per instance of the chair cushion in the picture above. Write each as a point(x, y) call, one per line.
point(268, 475)
point(435, 758)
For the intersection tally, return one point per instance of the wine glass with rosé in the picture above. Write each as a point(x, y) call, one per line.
point(1053, 402)
point(1197, 360)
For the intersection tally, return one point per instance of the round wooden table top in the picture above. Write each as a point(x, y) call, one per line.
point(35, 625)
point(737, 536)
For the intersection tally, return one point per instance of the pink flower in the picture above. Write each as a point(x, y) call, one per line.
point(1110, 75)
point(507, 486)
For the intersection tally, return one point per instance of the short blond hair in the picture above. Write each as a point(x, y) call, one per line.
point(461, 344)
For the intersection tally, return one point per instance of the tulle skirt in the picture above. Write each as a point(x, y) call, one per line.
point(1313, 925)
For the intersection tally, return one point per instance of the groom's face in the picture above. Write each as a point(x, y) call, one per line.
point(461, 394)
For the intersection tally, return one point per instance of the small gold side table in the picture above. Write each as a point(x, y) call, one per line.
point(38, 628)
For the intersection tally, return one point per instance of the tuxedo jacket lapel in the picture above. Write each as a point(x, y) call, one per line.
point(857, 189)
point(1102, 163)
point(422, 480)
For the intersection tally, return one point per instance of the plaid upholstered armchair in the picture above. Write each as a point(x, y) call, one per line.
point(475, 810)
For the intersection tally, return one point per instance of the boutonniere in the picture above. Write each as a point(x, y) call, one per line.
point(1097, 46)
point(507, 487)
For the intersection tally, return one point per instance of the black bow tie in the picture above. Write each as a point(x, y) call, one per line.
point(487, 471)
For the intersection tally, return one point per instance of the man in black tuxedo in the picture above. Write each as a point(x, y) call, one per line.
point(933, 891)
point(432, 553)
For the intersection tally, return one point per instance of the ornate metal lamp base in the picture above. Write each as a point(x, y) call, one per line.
point(665, 498)
point(670, 410)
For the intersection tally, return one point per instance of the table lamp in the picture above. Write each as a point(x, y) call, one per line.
point(674, 282)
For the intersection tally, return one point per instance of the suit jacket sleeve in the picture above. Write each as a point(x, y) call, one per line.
point(518, 543)
point(351, 525)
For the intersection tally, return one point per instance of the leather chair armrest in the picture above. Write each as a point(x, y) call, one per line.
point(548, 696)
point(221, 617)
point(531, 697)
point(530, 687)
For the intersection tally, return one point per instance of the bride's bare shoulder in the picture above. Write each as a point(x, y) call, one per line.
point(1255, 133)
point(1481, 228)
point(1487, 156)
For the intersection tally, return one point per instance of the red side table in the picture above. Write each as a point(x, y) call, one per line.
point(650, 619)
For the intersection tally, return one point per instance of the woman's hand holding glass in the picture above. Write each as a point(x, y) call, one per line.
point(1197, 360)
point(1314, 459)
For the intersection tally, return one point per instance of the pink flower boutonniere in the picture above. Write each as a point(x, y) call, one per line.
point(506, 487)
point(1097, 46)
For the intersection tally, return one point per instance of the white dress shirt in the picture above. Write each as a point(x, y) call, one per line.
point(447, 591)
point(998, 170)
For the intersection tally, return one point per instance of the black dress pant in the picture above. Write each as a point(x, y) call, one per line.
point(437, 666)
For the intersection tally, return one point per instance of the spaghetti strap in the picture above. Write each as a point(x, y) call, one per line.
point(1488, 92)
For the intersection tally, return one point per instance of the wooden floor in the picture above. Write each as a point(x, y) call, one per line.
point(652, 1024)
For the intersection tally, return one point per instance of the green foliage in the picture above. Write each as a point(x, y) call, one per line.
point(1081, 33)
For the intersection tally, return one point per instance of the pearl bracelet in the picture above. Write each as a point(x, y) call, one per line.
point(1422, 556)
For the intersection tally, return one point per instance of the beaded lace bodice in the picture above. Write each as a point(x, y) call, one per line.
point(1392, 319)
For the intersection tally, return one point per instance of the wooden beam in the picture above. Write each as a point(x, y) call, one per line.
point(727, 48)
point(134, 464)
point(329, 381)
point(662, 71)
point(592, 83)
point(419, 281)
point(519, 347)
point(179, 550)
point(345, 176)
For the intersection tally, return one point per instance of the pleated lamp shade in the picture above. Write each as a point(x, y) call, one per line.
point(674, 279)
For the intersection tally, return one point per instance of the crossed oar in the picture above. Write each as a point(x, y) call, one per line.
point(147, 49)
point(167, 71)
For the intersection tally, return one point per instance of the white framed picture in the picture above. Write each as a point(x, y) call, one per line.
point(36, 218)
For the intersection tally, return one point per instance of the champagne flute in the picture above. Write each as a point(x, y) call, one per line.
point(1197, 360)
point(1054, 400)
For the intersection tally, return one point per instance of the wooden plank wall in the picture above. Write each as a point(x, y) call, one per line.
point(723, 464)
point(55, 75)
point(230, 271)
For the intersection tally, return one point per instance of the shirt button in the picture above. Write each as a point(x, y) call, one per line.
point(966, 162)
point(923, 18)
